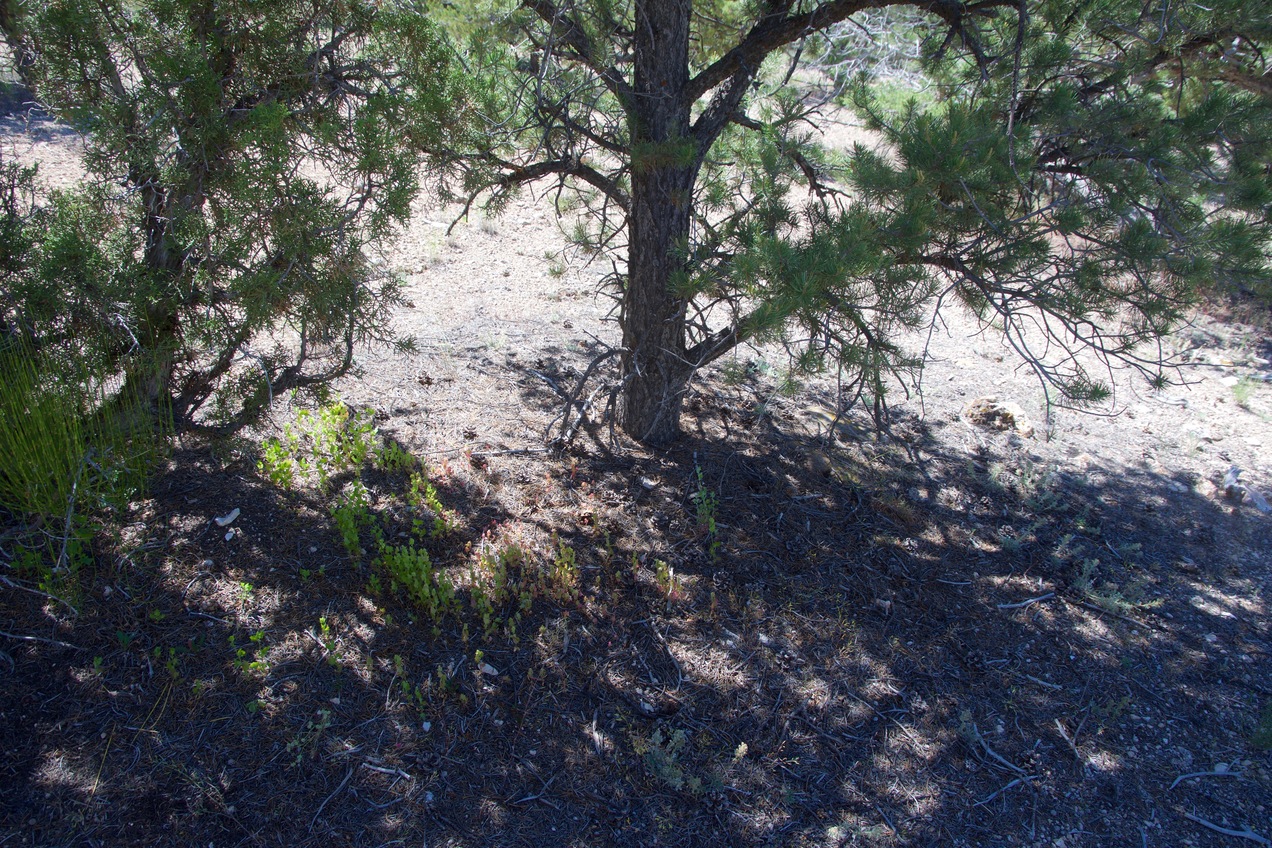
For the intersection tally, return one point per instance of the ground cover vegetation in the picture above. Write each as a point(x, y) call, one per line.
point(750, 633)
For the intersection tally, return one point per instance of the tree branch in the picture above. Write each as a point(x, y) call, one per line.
point(580, 46)
point(777, 30)
point(569, 167)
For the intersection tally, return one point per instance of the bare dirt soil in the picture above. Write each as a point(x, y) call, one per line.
point(777, 633)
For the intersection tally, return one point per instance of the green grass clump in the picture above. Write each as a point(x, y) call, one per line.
point(67, 450)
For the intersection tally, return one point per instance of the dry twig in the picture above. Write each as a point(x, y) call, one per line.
point(1073, 741)
point(321, 806)
point(1184, 777)
point(1016, 782)
point(41, 639)
point(1027, 603)
point(1244, 833)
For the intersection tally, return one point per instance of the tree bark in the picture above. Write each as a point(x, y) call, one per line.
point(11, 31)
point(664, 169)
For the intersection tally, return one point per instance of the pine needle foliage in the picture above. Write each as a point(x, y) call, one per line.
point(1075, 176)
point(246, 156)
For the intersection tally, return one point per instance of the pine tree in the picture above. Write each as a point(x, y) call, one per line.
point(1083, 171)
point(243, 157)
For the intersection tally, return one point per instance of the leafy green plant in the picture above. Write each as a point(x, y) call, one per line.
point(1111, 596)
point(1110, 712)
point(563, 576)
point(668, 582)
point(339, 439)
point(322, 444)
point(437, 521)
point(501, 588)
point(706, 507)
point(168, 659)
point(331, 647)
point(391, 456)
point(412, 693)
point(661, 755)
point(351, 513)
point(1244, 390)
point(411, 569)
point(248, 664)
point(279, 461)
point(306, 742)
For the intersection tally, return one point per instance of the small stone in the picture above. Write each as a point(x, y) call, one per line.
point(991, 413)
point(819, 463)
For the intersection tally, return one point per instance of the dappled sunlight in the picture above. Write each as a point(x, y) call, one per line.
point(1231, 604)
point(770, 633)
point(806, 682)
point(61, 770)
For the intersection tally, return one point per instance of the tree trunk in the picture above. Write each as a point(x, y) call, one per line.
point(19, 48)
point(149, 376)
point(664, 169)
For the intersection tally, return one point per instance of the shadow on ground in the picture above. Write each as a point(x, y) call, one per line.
point(775, 639)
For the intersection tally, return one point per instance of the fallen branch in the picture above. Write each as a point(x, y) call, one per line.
point(6, 581)
point(538, 796)
point(383, 770)
point(900, 726)
point(970, 727)
point(1072, 741)
point(342, 785)
point(1016, 782)
point(568, 427)
point(1244, 833)
point(1030, 602)
point(1097, 608)
point(1184, 777)
point(41, 639)
point(1045, 683)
